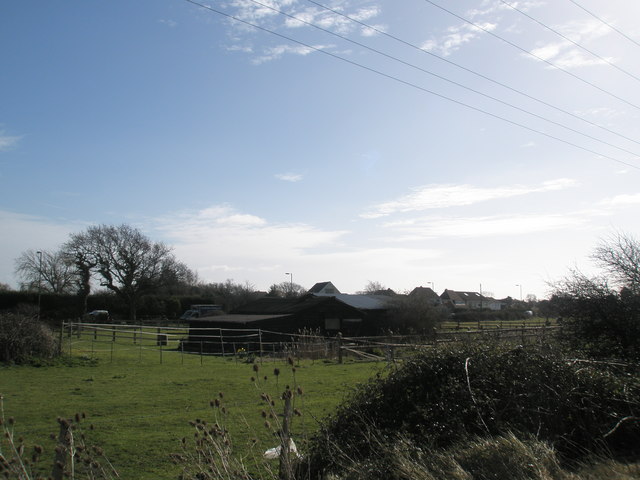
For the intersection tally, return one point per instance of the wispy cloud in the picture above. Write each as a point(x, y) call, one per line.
point(449, 195)
point(566, 54)
point(483, 226)
point(455, 37)
point(621, 200)
point(7, 142)
point(222, 236)
point(289, 177)
point(274, 53)
point(168, 23)
point(265, 14)
point(29, 232)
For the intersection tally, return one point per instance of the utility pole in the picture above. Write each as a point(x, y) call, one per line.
point(39, 253)
point(291, 283)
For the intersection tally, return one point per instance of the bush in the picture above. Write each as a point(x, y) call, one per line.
point(444, 397)
point(23, 338)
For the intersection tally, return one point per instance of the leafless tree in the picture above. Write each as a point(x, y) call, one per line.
point(286, 290)
point(619, 256)
point(129, 264)
point(79, 251)
point(48, 271)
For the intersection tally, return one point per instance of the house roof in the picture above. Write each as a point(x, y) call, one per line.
point(239, 319)
point(454, 295)
point(320, 286)
point(425, 292)
point(364, 302)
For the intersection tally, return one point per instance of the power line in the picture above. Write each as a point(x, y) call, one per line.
point(508, 42)
point(407, 83)
point(428, 72)
point(469, 70)
point(570, 40)
point(606, 23)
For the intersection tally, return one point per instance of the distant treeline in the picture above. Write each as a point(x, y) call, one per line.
point(58, 307)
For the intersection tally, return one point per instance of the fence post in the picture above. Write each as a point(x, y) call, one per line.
point(285, 471)
point(200, 352)
point(113, 334)
point(260, 339)
point(64, 438)
point(339, 336)
point(61, 337)
point(221, 342)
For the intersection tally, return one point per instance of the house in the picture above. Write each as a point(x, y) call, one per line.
point(324, 288)
point(457, 299)
point(425, 293)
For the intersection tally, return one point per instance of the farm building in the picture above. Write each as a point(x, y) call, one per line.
point(326, 315)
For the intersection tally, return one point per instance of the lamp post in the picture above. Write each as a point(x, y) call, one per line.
point(291, 288)
point(39, 253)
point(433, 286)
point(519, 285)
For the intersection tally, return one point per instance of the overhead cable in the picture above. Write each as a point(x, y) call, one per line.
point(469, 70)
point(572, 41)
point(428, 72)
point(409, 84)
point(606, 23)
point(524, 50)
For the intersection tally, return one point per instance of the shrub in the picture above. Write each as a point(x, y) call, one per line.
point(446, 396)
point(23, 338)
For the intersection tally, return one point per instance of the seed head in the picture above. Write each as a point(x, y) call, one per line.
point(256, 367)
point(276, 371)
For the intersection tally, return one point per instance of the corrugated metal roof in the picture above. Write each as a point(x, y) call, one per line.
point(364, 302)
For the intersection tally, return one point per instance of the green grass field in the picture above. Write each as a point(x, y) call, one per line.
point(141, 408)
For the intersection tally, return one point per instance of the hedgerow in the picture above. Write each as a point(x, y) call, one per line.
point(444, 397)
point(23, 338)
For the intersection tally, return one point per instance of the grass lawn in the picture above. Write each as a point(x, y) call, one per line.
point(141, 408)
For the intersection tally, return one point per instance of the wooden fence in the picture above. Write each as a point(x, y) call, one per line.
point(252, 343)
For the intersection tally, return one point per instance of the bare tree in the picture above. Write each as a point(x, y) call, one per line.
point(5, 287)
point(286, 290)
point(373, 288)
point(129, 264)
point(48, 271)
point(619, 256)
point(80, 252)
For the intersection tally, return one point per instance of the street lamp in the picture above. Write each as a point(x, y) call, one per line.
point(291, 289)
point(39, 253)
point(433, 286)
point(519, 285)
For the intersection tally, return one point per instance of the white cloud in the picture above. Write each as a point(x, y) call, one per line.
point(621, 200)
point(449, 195)
point(497, 225)
point(566, 54)
point(289, 177)
point(220, 238)
point(274, 53)
point(7, 142)
point(456, 37)
point(23, 232)
point(168, 23)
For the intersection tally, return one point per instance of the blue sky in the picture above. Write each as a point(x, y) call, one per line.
point(347, 152)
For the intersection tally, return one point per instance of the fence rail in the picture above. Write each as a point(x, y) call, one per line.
point(94, 337)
